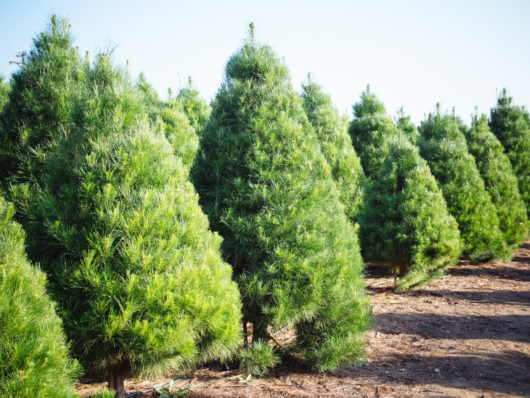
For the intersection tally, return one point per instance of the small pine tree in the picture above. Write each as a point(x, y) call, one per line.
point(197, 110)
point(405, 125)
point(113, 221)
point(369, 130)
point(443, 145)
point(335, 143)
point(500, 181)
point(34, 358)
point(405, 222)
point(172, 119)
point(511, 125)
point(40, 100)
point(268, 190)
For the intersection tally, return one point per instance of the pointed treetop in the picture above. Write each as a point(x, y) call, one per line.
point(251, 31)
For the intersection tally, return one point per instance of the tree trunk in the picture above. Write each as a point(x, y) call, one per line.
point(116, 380)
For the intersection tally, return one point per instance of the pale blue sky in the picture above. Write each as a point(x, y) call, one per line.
point(412, 53)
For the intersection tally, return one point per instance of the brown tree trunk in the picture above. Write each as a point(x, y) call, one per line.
point(116, 380)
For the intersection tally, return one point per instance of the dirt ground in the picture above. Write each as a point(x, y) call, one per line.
point(464, 335)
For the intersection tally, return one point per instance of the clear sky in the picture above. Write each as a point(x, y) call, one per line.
point(412, 53)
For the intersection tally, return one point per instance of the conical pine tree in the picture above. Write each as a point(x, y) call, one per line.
point(268, 190)
point(405, 125)
point(511, 125)
point(335, 143)
point(34, 358)
point(369, 130)
point(138, 277)
point(500, 181)
point(405, 222)
point(40, 100)
point(443, 145)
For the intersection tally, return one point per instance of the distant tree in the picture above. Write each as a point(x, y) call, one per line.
point(511, 124)
point(500, 181)
point(369, 129)
point(443, 145)
point(138, 277)
point(268, 190)
point(197, 110)
point(34, 358)
point(405, 125)
point(332, 132)
point(40, 101)
point(405, 222)
point(172, 119)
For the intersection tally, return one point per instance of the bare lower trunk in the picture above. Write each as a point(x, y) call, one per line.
point(116, 380)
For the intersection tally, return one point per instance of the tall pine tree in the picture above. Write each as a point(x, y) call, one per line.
point(268, 190)
point(40, 100)
point(443, 145)
point(34, 358)
point(332, 132)
point(511, 125)
point(500, 182)
point(405, 222)
point(369, 130)
point(138, 277)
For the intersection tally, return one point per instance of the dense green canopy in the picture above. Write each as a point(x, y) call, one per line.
point(443, 145)
point(34, 358)
point(268, 190)
point(405, 222)
point(332, 132)
point(511, 124)
point(500, 182)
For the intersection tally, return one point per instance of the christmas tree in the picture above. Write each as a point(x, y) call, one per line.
point(443, 145)
point(268, 190)
point(405, 222)
point(500, 181)
point(34, 358)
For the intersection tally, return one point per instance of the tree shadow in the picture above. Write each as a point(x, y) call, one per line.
point(502, 272)
point(503, 373)
point(487, 297)
point(430, 326)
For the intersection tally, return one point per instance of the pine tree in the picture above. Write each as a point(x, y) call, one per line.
point(443, 145)
point(405, 222)
point(138, 277)
point(34, 358)
point(500, 181)
point(268, 190)
point(171, 117)
point(335, 143)
point(197, 110)
point(369, 130)
point(4, 93)
point(511, 125)
point(39, 101)
point(405, 125)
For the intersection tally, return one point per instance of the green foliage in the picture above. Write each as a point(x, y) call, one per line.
point(197, 110)
point(511, 124)
point(173, 121)
point(34, 356)
point(257, 358)
point(4, 93)
point(40, 100)
point(500, 182)
point(443, 145)
point(173, 392)
point(335, 143)
point(405, 222)
point(103, 393)
point(369, 130)
point(268, 190)
point(116, 225)
point(405, 125)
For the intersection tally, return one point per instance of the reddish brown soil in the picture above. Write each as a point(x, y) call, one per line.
point(464, 335)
